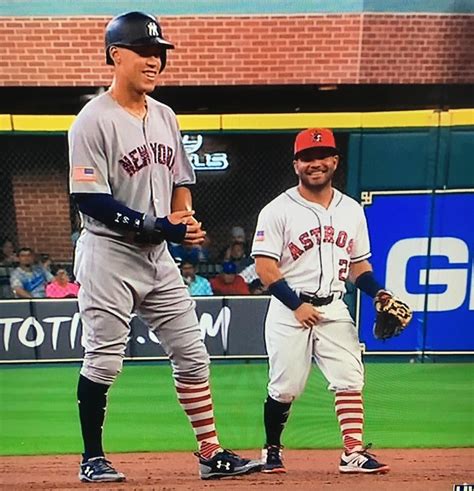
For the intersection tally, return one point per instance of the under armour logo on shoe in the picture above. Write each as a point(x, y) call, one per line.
point(88, 471)
point(221, 464)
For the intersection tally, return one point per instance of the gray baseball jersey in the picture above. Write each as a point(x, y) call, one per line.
point(137, 162)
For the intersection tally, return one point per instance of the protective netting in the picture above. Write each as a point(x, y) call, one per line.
point(237, 174)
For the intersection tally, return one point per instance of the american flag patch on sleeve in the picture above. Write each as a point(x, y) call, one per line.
point(259, 236)
point(84, 174)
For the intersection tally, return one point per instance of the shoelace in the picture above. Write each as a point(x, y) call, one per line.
point(228, 453)
point(273, 453)
point(232, 455)
point(102, 465)
point(365, 451)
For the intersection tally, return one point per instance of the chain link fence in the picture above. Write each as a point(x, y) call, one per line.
point(237, 174)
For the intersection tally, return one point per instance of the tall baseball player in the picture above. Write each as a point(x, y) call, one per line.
point(308, 242)
point(129, 175)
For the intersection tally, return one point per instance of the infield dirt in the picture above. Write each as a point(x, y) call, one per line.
point(420, 469)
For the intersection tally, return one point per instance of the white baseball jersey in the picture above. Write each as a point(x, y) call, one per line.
point(314, 246)
point(137, 162)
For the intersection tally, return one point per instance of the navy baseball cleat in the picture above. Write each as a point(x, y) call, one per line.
point(226, 464)
point(98, 469)
point(272, 460)
point(361, 462)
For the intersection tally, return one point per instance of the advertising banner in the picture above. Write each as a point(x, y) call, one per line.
point(423, 250)
point(47, 330)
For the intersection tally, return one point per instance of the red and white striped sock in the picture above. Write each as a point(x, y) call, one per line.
point(196, 400)
point(350, 414)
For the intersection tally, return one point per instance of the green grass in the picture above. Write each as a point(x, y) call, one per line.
point(407, 405)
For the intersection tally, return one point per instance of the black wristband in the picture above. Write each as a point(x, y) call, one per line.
point(367, 283)
point(281, 290)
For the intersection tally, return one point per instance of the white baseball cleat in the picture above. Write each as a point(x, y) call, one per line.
point(361, 462)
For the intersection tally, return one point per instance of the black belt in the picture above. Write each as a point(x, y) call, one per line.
point(135, 238)
point(316, 301)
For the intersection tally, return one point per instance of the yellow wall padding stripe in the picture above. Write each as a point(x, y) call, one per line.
point(462, 117)
point(391, 119)
point(268, 122)
point(284, 121)
point(398, 119)
point(200, 122)
point(5, 122)
point(41, 123)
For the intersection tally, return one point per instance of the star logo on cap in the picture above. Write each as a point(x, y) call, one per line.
point(317, 137)
point(152, 29)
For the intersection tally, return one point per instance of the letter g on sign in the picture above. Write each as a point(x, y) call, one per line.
point(454, 279)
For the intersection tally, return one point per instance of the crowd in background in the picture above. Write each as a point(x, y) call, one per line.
point(25, 274)
point(229, 271)
point(236, 273)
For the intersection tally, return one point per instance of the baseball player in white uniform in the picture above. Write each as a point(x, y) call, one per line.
point(129, 174)
point(308, 242)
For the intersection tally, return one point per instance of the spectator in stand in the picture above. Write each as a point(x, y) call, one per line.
point(8, 255)
point(45, 262)
point(228, 282)
point(249, 274)
point(237, 236)
point(76, 227)
point(256, 287)
point(236, 254)
point(190, 253)
point(61, 286)
point(29, 280)
point(197, 285)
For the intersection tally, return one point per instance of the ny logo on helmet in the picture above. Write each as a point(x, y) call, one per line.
point(317, 137)
point(152, 29)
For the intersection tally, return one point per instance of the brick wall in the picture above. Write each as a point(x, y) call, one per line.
point(42, 214)
point(417, 49)
point(297, 49)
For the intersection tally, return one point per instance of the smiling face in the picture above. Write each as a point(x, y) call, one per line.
point(7, 248)
point(25, 257)
point(315, 168)
point(62, 277)
point(188, 271)
point(138, 67)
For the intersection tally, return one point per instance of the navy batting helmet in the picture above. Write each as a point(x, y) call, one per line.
point(135, 29)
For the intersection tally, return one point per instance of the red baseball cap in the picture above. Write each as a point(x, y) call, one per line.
point(314, 137)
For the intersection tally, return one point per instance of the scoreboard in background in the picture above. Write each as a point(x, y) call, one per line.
point(423, 250)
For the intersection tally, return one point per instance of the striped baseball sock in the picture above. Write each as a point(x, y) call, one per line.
point(196, 400)
point(350, 414)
